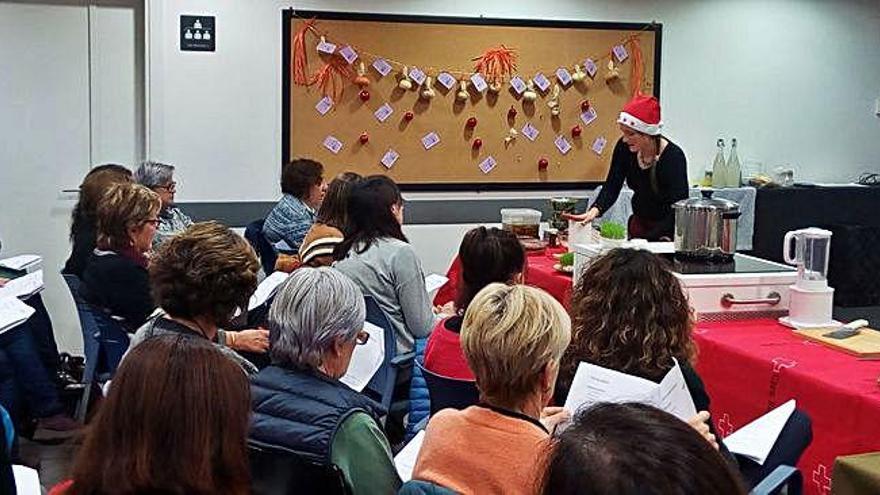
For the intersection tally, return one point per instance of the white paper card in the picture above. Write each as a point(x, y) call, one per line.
point(430, 140)
point(562, 144)
point(267, 289)
point(383, 112)
point(530, 131)
point(541, 81)
point(417, 76)
point(589, 116)
point(591, 67)
point(27, 480)
point(446, 80)
point(563, 76)
point(488, 164)
point(326, 47)
point(518, 85)
point(620, 53)
point(348, 54)
point(599, 145)
point(479, 83)
point(21, 261)
point(434, 281)
point(382, 67)
point(332, 144)
point(324, 105)
point(756, 439)
point(23, 287)
point(594, 384)
point(389, 158)
point(366, 359)
point(405, 460)
point(13, 313)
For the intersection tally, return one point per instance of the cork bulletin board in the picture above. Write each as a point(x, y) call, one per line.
point(507, 155)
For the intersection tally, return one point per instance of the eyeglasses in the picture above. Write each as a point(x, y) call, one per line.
point(363, 337)
point(170, 187)
point(154, 221)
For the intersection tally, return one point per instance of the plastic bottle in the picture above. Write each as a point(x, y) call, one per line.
point(734, 170)
point(719, 167)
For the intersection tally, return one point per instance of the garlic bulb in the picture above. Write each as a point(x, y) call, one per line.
point(529, 94)
point(427, 90)
point(462, 94)
point(405, 84)
point(579, 75)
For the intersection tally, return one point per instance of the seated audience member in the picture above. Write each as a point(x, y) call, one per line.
point(175, 421)
point(378, 257)
point(330, 224)
point(199, 279)
point(299, 404)
point(513, 338)
point(635, 449)
point(159, 177)
point(631, 315)
point(83, 225)
point(303, 185)
point(486, 256)
point(115, 277)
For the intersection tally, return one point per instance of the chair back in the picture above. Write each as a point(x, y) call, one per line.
point(87, 323)
point(381, 386)
point(253, 232)
point(446, 392)
point(418, 487)
point(280, 472)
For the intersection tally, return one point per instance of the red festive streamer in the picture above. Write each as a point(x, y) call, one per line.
point(300, 56)
point(496, 64)
point(331, 77)
point(637, 69)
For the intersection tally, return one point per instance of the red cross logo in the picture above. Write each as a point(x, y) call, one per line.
point(821, 479)
point(782, 363)
point(725, 426)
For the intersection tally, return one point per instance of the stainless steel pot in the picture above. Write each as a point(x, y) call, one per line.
point(705, 228)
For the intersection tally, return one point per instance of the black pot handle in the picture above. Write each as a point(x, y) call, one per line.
point(731, 215)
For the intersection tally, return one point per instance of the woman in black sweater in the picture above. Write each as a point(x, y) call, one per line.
point(654, 167)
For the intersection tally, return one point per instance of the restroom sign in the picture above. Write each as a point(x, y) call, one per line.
point(197, 33)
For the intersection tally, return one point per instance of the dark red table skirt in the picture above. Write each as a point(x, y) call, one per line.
point(750, 367)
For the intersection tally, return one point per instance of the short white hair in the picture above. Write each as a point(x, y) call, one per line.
point(153, 174)
point(312, 309)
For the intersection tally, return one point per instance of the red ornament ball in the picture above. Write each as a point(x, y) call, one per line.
point(365, 138)
point(478, 143)
point(543, 163)
point(576, 131)
point(471, 122)
point(585, 105)
point(408, 116)
point(364, 95)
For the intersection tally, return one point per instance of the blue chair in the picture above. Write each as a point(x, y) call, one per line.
point(275, 471)
point(253, 232)
point(105, 341)
point(381, 386)
point(446, 392)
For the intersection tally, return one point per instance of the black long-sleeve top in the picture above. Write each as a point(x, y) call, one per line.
point(655, 189)
point(118, 284)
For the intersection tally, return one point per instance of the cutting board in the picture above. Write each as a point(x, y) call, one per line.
point(864, 345)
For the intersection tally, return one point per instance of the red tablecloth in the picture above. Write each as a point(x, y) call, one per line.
point(539, 273)
point(750, 367)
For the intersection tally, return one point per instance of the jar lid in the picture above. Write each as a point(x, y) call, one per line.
point(707, 203)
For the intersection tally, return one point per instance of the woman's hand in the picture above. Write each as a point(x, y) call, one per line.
point(586, 217)
point(551, 417)
point(700, 422)
point(254, 340)
point(446, 310)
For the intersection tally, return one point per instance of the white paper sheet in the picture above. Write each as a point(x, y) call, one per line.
point(23, 287)
point(20, 262)
point(434, 281)
point(27, 480)
point(405, 460)
point(594, 384)
point(756, 439)
point(366, 359)
point(13, 312)
point(266, 289)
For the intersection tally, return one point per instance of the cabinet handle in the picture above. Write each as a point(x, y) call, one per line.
point(772, 299)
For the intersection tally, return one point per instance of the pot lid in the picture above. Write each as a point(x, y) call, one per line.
point(707, 203)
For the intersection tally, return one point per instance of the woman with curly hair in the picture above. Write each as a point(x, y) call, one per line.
point(200, 279)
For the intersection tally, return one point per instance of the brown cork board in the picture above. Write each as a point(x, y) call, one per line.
point(436, 45)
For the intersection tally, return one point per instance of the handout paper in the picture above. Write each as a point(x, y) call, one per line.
point(21, 261)
point(594, 384)
point(13, 312)
point(756, 439)
point(23, 287)
point(366, 359)
point(405, 460)
point(267, 289)
point(434, 281)
point(27, 480)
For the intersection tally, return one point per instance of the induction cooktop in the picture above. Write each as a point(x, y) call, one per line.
point(739, 264)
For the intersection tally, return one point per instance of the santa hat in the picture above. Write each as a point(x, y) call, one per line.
point(642, 114)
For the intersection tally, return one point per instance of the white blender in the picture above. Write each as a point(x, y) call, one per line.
point(811, 300)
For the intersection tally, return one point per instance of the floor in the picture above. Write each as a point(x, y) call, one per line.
point(52, 461)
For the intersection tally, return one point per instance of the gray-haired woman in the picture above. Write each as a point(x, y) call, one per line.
point(160, 178)
point(299, 403)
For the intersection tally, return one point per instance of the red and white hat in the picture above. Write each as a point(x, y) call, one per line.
point(642, 114)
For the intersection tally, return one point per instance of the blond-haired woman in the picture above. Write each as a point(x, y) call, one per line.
point(513, 338)
point(115, 278)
